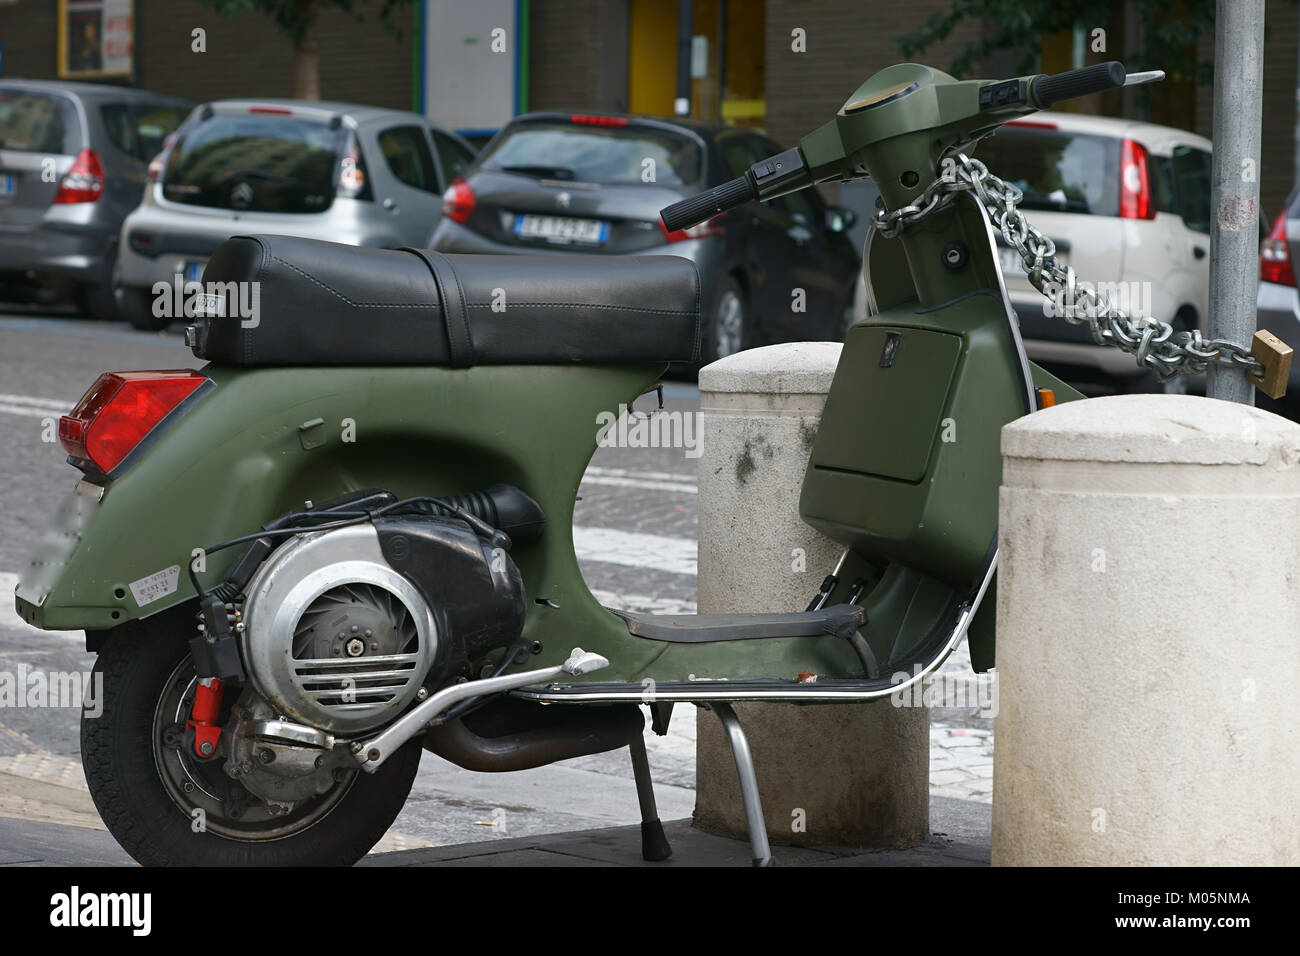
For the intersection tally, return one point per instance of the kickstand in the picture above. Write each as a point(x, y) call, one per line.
point(748, 783)
point(654, 842)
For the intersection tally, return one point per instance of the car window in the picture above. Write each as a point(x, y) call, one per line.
point(738, 154)
point(407, 153)
point(1163, 190)
point(38, 123)
point(153, 124)
point(261, 162)
point(597, 149)
point(1191, 169)
point(1055, 169)
point(139, 130)
point(455, 157)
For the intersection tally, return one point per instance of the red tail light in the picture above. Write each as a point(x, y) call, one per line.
point(458, 201)
point(1135, 182)
point(587, 119)
point(84, 182)
point(703, 230)
point(119, 410)
point(1274, 256)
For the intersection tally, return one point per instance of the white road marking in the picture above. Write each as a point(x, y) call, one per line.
point(650, 480)
point(635, 549)
point(30, 405)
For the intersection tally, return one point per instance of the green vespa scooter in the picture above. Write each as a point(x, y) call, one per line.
point(348, 537)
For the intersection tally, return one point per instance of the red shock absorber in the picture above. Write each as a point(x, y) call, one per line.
point(204, 714)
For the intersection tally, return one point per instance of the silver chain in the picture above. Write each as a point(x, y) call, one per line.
point(1155, 344)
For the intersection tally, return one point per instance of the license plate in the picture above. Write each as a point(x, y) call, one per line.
point(194, 271)
point(7, 185)
point(561, 229)
point(1009, 259)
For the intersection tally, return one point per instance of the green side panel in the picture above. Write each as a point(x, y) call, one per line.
point(241, 455)
point(941, 518)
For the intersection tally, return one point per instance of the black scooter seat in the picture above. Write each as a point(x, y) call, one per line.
point(324, 303)
point(840, 620)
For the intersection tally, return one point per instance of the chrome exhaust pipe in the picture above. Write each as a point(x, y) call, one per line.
point(370, 754)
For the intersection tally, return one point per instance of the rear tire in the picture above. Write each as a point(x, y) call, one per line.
point(119, 755)
point(727, 331)
point(137, 304)
point(99, 300)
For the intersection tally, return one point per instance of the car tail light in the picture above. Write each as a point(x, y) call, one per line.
point(1274, 256)
point(353, 181)
point(1135, 182)
point(703, 230)
point(84, 182)
point(119, 410)
point(458, 201)
point(272, 110)
point(586, 119)
point(1032, 124)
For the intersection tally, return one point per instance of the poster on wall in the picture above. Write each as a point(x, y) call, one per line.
point(96, 38)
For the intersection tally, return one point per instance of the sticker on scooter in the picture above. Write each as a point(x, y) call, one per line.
point(154, 586)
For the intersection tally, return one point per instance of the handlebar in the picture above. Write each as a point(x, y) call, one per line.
point(709, 203)
point(822, 154)
point(1047, 90)
point(766, 179)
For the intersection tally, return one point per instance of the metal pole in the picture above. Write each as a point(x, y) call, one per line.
point(1296, 157)
point(1234, 234)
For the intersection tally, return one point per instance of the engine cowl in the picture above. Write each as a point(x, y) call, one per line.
point(334, 637)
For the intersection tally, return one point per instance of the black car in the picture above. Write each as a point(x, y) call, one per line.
point(779, 271)
point(74, 158)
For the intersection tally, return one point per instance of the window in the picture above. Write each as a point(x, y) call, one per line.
point(554, 149)
point(407, 153)
point(153, 124)
point(139, 131)
point(456, 159)
point(1191, 169)
point(255, 162)
point(37, 123)
point(1055, 169)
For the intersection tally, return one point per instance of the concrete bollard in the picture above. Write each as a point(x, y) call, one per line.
point(1148, 640)
point(838, 774)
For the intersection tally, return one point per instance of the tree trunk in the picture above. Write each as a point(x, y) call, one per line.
point(306, 58)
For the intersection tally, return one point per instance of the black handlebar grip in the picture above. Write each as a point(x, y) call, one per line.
point(708, 204)
point(1049, 90)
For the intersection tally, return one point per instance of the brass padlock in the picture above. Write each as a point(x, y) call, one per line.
point(1275, 356)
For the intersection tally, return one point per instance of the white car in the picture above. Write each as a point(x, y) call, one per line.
point(1128, 206)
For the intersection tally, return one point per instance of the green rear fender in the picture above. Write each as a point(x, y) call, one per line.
point(263, 441)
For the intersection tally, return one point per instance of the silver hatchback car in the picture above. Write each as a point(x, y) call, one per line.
point(336, 171)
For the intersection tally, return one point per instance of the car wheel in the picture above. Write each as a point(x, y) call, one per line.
point(727, 331)
point(98, 300)
point(137, 305)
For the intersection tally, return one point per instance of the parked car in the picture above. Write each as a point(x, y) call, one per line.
point(1128, 206)
point(564, 183)
point(1277, 300)
point(73, 162)
point(336, 171)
